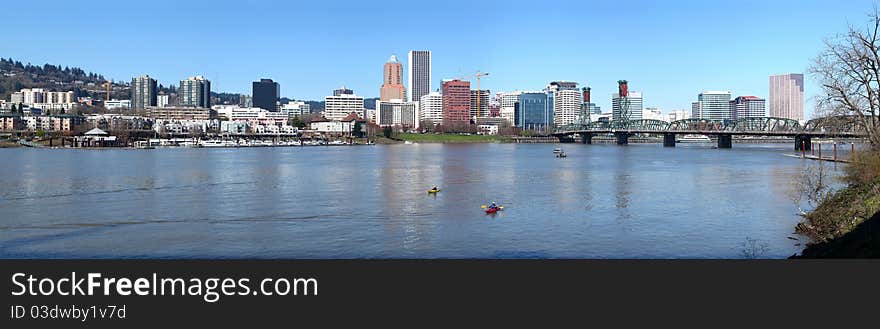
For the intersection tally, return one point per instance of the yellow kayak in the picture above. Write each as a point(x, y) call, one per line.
point(434, 191)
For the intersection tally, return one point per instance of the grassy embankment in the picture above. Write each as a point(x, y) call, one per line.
point(451, 138)
point(847, 223)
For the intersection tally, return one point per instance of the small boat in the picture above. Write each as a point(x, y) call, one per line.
point(493, 210)
point(693, 139)
point(557, 150)
point(561, 155)
point(433, 190)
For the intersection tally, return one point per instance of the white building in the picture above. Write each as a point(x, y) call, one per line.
point(653, 113)
point(397, 113)
point(431, 108)
point(566, 106)
point(712, 105)
point(162, 100)
point(508, 105)
point(678, 115)
point(747, 107)
point(296, 108)
point(117, 104)
point(340, 106)
point(633, 104)
point(253, 115)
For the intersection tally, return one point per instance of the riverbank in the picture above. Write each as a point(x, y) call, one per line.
point(842, 225)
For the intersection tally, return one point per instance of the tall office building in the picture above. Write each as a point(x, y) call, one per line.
point(712, 105)
point(431, 108)
point(266, 94)
point(339, 107)
point(195, 92)
point(787, 96)
point(143, 92)
point(566, 107)
point(418, 79)
point(747, 107)
point(456, 101)
point(392, 82)
point(481, 108)
point(533, 111)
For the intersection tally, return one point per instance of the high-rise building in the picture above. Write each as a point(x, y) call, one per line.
point(508, 105)
point(787, 96)
point(392, 82)
point(266, 94)
point(564, 100)
point(143, 92)
point(397, 113)
point(479, 108)
point(342, 91)
point(338, 107)
point(195, 92)
point(418, 79)
point(678, 115)
point(163, 100)
point(625, 104)
point(712, 105)
point(532, 111)
point(431, 108)
point(456, 101)
point(747, 107)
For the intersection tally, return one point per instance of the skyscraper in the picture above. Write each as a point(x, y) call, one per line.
point(712, 105)
point(266, 94)
point(787, 96)
point(418, 79)
point(456, 102)
point(392, 82)
point(747, 107)
point(564, 101)
point(143, 92)
point(342, 91)
point(195, 92)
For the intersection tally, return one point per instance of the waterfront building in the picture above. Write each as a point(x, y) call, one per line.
point(58, 122)
point(11, 122)
point(418, 81)
point(117, 104)
point(117, 122)
point(338, 107)
point(296, 108)
point(397, 113)
point(266, 94)
point(456, 102)
point(143, 92)
point(181, 113)
point(712, 105)
point(533, 111)
point(195, 91)
point(392, 82)
point(747, 107)
point(787, 96)
point(345, 126)
point(564, 101)
point(481, 108)
point(431, 109)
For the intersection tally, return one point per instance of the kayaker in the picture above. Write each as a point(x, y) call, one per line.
point(493, 206)
point(435, 188)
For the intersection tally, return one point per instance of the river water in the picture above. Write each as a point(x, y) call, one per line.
point(602, 201)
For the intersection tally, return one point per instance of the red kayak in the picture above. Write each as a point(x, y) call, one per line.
point(492, 210)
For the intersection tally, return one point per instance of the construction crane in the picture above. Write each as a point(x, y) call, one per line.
point(477, 75)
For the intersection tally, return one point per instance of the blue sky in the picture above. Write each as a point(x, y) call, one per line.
point(669, 50)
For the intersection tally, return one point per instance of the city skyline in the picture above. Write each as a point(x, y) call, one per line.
point(654, 52)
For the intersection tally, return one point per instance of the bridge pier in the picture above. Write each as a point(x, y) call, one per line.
point(587, 138)
point(725, 141)
point(622, 138)
point(668, 140)
point(802, 143)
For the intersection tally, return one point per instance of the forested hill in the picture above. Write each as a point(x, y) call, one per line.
point(15, 75)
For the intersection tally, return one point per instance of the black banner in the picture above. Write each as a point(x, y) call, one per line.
point(416, 293)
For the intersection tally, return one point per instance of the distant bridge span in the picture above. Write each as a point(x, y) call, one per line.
point(841, 127)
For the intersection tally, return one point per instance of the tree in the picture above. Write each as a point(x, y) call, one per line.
point(387, 131)
point(357, 131)
point(848, 71)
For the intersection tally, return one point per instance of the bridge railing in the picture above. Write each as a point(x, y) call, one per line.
point(837, 124)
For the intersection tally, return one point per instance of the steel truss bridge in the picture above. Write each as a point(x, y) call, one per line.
point(835, 126)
